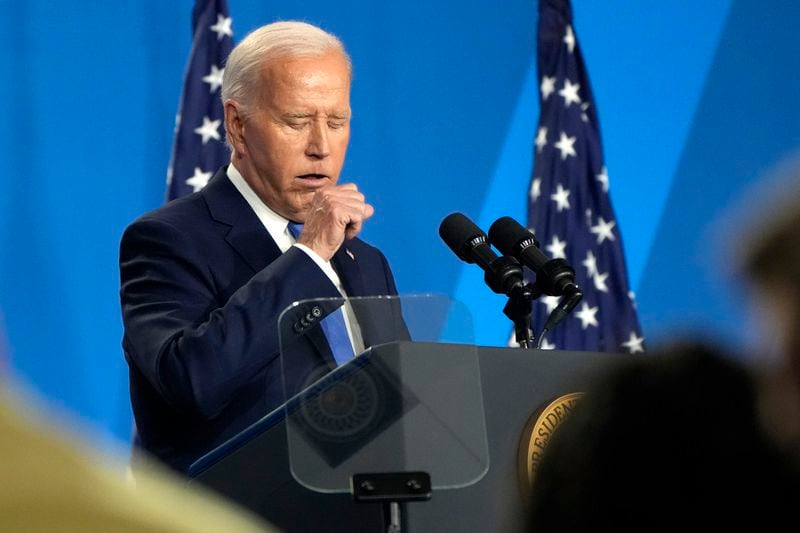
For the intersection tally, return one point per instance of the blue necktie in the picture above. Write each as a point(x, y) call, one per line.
point(332, 325)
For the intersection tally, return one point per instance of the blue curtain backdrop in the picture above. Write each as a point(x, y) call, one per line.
point(695, 99)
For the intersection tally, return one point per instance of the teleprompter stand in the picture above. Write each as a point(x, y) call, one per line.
point(392, 489)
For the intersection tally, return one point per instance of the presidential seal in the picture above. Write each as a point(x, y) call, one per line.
point(537, 433)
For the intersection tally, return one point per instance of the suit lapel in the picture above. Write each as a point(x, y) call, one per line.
point(367, 310)
point(246, 234)
point(349, 271)
point(253, 243)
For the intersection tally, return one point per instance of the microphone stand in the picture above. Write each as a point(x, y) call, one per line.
point(504, 276)
point(518, 309)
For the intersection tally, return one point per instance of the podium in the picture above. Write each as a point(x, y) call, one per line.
point(470, 438)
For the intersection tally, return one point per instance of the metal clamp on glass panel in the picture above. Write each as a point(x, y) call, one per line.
point(391, 489)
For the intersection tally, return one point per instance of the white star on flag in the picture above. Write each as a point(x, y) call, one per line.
point(600, 281)
point(590, 263)
point(536, 189)
point(570, 93)
point(566, 145)
point(199, 180)
point(541, 139)
point(603, 178)
point(222, 27)
point(603, 230)
point(548, 86)
point(587, 316)
point(557, 248)
point(569, 39)
point(634, 343)
point(209, 129)
point(214, 78)
point(551, 302)
point(561, 198)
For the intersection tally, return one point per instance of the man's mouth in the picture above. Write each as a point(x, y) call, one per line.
point(312, 181)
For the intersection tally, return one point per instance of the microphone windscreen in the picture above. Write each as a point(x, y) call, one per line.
point(457, 231)
point(506, 233)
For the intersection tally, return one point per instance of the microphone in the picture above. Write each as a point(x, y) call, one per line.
point(502, 274)
point(553, 276)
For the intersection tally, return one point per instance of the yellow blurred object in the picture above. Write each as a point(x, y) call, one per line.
point(47, 483)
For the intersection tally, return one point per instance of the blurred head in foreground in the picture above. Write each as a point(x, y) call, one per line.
point(769, 259)
point(661, 443)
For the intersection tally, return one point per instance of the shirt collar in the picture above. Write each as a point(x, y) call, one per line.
point(272, 221)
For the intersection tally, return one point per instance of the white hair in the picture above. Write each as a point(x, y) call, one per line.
point(278, 40)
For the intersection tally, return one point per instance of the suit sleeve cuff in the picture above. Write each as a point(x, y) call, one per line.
point(325, 266)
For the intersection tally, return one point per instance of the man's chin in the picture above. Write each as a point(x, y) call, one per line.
point(299, 212)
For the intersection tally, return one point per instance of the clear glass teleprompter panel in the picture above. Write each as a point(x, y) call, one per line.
point(410, 401)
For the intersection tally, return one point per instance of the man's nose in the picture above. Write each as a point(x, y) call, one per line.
point(318, 146)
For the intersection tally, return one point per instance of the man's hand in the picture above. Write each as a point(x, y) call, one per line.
point(336, 214)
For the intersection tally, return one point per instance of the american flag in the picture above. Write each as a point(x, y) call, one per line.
point(569, 208)
point(199, 148)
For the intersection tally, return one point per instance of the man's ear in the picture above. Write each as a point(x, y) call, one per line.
point(234, 126)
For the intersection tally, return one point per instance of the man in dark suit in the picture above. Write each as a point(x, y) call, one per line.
point(205, 278)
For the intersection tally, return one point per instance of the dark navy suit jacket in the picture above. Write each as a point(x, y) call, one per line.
point(202, 287)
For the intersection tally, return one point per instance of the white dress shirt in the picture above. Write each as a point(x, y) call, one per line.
point(278, 229)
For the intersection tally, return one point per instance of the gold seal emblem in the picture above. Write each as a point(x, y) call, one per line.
point(537, 433)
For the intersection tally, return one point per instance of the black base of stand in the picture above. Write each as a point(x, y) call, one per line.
point(518, 309)
point(391, 489)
